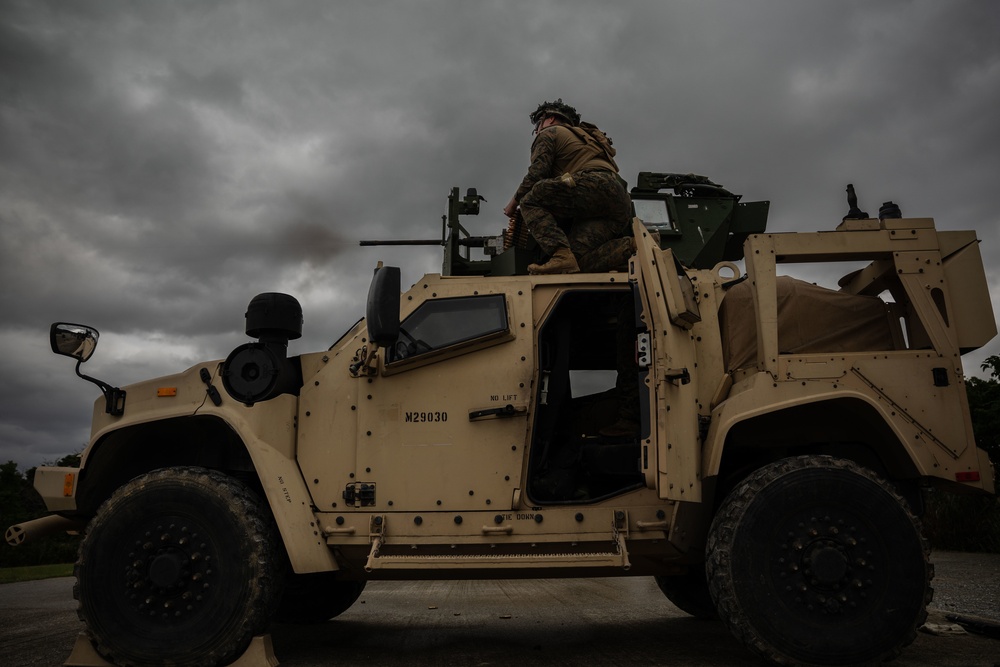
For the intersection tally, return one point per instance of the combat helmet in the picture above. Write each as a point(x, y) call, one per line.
point(557, 108)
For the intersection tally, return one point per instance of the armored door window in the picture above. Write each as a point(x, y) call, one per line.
point(653, 213)
point(441, 324)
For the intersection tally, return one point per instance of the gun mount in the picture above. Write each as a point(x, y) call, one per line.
point(455, 238)
point(700, 221)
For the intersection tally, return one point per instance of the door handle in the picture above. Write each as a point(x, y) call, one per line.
point(500, 412)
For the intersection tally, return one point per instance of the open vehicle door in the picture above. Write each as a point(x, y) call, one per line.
point(667, 355)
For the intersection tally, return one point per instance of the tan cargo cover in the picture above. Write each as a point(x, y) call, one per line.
point(810, 319)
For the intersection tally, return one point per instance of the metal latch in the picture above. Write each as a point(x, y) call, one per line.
point(704, 422)
point(674, 374)
point(643, 350)
point(360, 494)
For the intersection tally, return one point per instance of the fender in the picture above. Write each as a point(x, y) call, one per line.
point(283, 485)
point(761, 396)
point(267, 433)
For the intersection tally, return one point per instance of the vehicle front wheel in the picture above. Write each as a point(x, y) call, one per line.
point(817, 561)
point(181, 566)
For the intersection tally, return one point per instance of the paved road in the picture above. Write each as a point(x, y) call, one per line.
point(38, 623)
point(623, 621)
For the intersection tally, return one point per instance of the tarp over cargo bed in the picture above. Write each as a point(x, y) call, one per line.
point(810, 319)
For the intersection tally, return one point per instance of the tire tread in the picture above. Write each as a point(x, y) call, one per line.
point(725, 525)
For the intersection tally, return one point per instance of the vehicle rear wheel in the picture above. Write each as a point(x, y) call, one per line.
point(689, 592)
point(181, 566)
point(317, 597)
point(817, 561)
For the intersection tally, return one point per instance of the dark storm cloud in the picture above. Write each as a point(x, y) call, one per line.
point(215, 88)
point(161, 163)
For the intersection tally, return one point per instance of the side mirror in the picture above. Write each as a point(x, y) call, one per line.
point(79, 342)
point(73, 340)
point(382, 311)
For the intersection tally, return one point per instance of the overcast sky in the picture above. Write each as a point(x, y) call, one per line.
point(163, 162)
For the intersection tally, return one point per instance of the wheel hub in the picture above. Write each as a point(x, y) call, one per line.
point(165, 570)
point(169, 571)
point(829, 564)
point(826, 566)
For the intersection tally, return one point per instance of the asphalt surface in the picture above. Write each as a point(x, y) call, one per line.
point(612, 621)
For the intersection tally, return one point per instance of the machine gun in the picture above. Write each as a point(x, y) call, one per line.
point(457, 241)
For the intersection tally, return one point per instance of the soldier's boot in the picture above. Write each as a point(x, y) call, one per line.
point(562, 261)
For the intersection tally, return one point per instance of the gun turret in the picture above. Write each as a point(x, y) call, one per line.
point(700, 221)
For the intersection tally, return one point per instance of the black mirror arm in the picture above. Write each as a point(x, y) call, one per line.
point(114, 397)
point(363, 363)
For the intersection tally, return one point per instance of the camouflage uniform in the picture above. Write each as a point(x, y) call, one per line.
point(573, 198)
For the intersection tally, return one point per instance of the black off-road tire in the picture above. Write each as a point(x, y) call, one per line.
point(317, 597)
point(181, 566)
point(689, 593)
point(817, 561)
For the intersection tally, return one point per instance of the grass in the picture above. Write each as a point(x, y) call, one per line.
point(9, 575)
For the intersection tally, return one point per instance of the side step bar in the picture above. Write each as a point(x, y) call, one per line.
point(616, 558)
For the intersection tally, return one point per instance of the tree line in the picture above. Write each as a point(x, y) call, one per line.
point(20, 502)
point(966, 522)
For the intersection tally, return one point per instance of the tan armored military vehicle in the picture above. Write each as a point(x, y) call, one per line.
point(785, 434)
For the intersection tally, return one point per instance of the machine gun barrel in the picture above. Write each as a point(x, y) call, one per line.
point(469, 242)
point(403, 242)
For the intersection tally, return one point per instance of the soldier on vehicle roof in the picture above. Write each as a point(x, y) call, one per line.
point(572, 199)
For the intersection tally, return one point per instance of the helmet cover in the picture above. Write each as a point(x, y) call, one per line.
point(557, 108)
